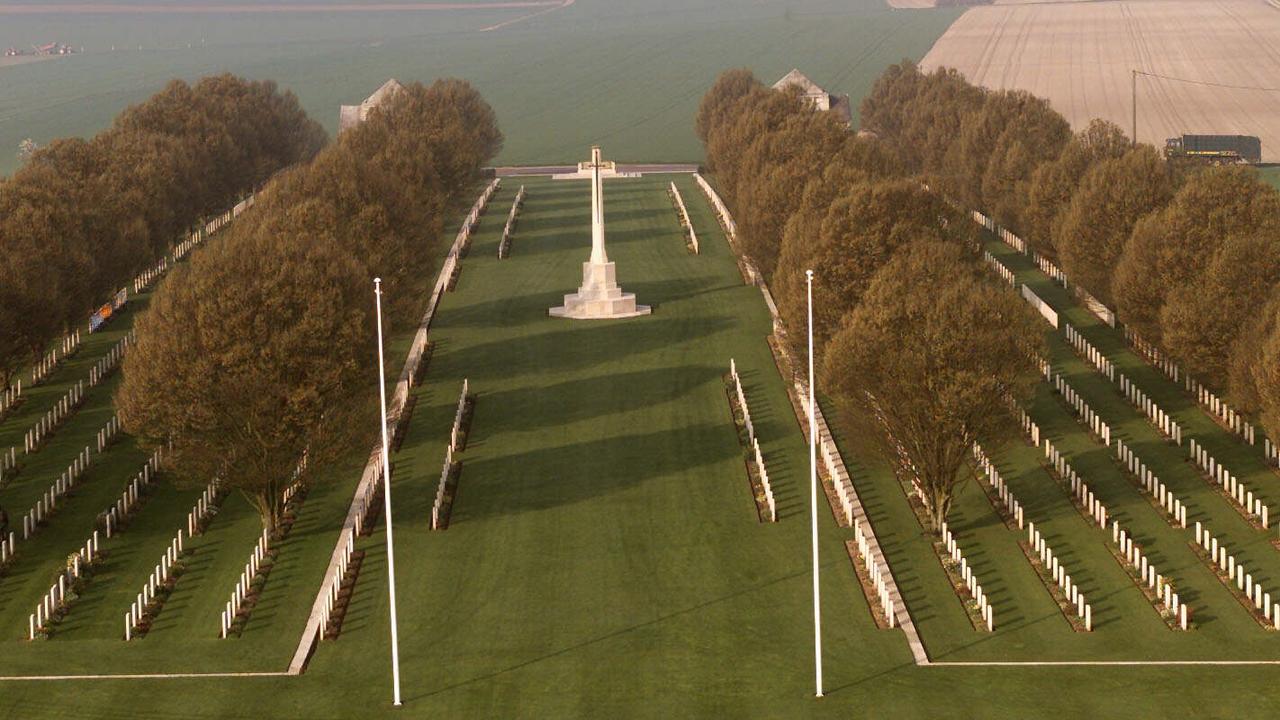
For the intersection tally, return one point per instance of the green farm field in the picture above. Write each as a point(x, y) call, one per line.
point(604, 557)
point(1271, 174)
point(627, 74)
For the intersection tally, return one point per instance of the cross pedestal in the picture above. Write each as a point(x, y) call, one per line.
point(599, 297)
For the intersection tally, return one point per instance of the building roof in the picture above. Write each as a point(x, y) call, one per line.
point(795, 78)
point(818, 98)
point(388, 89)
point(351, 115)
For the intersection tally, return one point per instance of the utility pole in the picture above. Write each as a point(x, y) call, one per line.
point(1134, 105)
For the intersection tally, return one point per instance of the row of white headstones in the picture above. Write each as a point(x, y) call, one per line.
point(1233, 420)
point(1216, 406)
point(877, 573)
point(155, 583)
point(335, 581)
point(1146, 478)
point(200, 513)
point(682, 213)
point(9, 397)
point(131, 497)
point(66, 406)
point(1037, 542)
point(109, 362)
point(1235, 572)
point(455, 440)
point(755, 442)
point(1251, 507)
point(194, 238)
point(1122, 539)
point(43, 368)
point(504, 245)
point(55, 599)
point(48, 502)
point(1176, 509)
point(244, 584)
point(252, 567)
point(969, 578)
point(1163, 421)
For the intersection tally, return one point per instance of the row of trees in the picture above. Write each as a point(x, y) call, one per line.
point(82, 217)
point(1186, 254)
point(920, 347)
point(261, 348)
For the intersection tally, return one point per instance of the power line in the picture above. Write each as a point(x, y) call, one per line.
point(1206, 82)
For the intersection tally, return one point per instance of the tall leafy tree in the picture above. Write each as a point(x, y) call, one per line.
point(862, 229)
point(1053, 183)
point(1034, 135)
point(1110, 199)
point(918, 115)
point(1259, 364)
point(927, 364)
point(261, 350)
point(756, 114)
point(250, 356)
point(1202, 320)
point(775, 169)
point(716, 104)
point(87, 215)
point(1245, 365)
point(1173, 247)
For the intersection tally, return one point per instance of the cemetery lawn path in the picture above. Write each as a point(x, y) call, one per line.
point(604, 558)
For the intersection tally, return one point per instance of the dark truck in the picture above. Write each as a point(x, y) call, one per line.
point(1215, 148)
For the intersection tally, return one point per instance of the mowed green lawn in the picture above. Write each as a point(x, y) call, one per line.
point(604, 557)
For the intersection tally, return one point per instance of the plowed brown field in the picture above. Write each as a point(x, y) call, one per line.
point(1080, 56)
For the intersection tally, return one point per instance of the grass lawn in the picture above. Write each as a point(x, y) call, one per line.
point(629, 74)
point(604, 556)
point(1271, 174)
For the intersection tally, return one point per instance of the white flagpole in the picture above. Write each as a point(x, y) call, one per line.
point(386, 497)
point(813, 498)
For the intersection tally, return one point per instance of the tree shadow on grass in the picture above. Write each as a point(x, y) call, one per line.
point(533, 408)
point(196, 567)
point(552, 232)
point(549, 202)
point(578, 345)
point(573, 473)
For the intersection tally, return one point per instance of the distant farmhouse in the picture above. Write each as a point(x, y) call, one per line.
point(352, 115)
point(817, 97)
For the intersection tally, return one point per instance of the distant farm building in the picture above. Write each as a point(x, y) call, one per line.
point(352, 115)
point(818, 98)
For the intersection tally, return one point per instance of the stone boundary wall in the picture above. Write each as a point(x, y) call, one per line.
point(372, 474)
point(799, 390)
